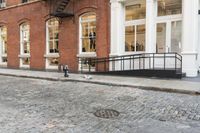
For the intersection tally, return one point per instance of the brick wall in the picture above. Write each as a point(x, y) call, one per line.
point(36, 15)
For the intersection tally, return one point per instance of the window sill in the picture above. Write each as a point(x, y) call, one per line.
point(25, 66)
point(87, 54)
point(52, 67)
point(4, 55)
point(55, 55)
point(24, 56)
point(3, 64)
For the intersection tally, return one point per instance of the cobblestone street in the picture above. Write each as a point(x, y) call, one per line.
point(40, 106)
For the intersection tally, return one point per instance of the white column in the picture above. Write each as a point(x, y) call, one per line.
point(117, 27)
point(199, 39)
point(190, 37)
point(150, 26)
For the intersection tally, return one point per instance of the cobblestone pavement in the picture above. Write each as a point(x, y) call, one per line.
point(40, 106)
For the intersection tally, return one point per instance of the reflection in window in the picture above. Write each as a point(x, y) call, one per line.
point(136, 10)
point(135, 38)
point(169, 7)
point(53, 35)
point(3, 44)
point(88, 32)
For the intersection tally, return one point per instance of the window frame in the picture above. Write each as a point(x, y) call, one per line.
point(134, 23)
point(93, 53)
point(48, 55)
point(2, 54)
point(24, 55)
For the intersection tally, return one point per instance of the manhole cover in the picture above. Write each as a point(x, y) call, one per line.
point(106, 113)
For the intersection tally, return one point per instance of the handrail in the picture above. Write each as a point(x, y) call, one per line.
point(143, 61)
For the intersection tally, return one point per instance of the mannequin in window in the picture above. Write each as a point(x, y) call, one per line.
point(92, 37)
point(137, 46)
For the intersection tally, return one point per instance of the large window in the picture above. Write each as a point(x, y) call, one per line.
point(88, 33)
point(24, 45)
point(169, 7)
point(135, 29)
point(3, 45)
point(135, 38)
point(52, 33)
point(52, 47)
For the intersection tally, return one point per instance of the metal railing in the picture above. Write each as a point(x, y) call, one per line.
point(144, 61)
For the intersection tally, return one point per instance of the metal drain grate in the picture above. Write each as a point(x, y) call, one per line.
point(106, 113)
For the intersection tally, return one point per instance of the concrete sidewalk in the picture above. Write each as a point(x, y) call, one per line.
point(168, 85)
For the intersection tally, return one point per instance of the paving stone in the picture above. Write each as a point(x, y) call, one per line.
point(39, 106)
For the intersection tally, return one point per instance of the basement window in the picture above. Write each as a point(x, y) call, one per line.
point(25, 1)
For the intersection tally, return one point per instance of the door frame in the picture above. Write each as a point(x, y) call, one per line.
point(168, 21)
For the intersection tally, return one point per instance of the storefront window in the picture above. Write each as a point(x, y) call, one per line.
point(88, 32)
point(135, 38)
point(137, 10)
point(169, 7)
point(53, 35)
point(3, 44)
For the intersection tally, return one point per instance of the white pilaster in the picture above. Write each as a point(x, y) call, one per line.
point(150, 26)
point(190, 37)
point(117, 27)
point(199, 40)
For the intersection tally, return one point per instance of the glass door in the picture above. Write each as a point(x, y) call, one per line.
point(161, 38)
point(176, 36)
point(169, 37)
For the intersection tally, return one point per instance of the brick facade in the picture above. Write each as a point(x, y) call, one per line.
point(36, 13)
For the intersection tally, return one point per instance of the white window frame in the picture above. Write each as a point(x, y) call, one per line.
point(1, 47)
point(22, 54)
point(49, 55)
point(168, 19)
point(81, 53)
point(134, 23)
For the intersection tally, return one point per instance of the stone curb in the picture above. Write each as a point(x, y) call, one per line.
point(152, 88)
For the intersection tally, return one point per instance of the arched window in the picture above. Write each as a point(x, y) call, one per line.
point(88, 33)
point(3, 45)
point(24, 45)
point(52, 43)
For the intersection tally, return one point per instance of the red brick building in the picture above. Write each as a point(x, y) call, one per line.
point(41, 34)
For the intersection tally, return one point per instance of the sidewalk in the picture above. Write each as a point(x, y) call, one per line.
point(186, 86)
